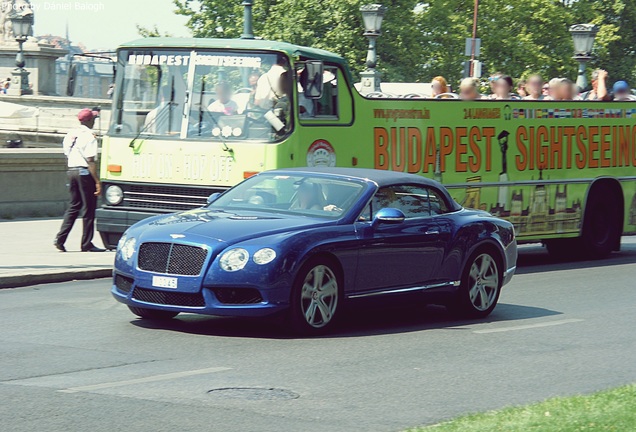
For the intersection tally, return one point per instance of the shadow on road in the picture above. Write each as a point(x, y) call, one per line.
point(535, 259)
point(358, 321)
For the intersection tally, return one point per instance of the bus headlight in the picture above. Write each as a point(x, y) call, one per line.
point(114, 195)
point(234, 259)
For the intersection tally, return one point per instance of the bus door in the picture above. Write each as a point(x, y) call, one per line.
point(320, 142)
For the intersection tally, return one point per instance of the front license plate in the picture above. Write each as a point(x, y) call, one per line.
point(164, 282)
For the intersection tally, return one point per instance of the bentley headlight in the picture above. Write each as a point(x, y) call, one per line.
point(264, 256)
point(114, 195)
point(122, 240)
point(127, 248)
point(234, 259)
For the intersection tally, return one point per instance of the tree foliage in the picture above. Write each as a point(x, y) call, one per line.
point(422, 39)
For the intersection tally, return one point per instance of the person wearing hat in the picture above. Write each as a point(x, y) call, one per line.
point(80, 148)
point(622, 92)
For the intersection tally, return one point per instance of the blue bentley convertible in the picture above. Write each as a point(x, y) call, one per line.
point(303, 241)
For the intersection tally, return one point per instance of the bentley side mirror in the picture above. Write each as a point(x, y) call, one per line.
point(389, 216)
point(213, 197)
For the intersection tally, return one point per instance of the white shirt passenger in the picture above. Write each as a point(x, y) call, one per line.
point(268, 87)
point(228, 108)
point(79, 145)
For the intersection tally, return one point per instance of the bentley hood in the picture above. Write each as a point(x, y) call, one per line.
point(227, 226)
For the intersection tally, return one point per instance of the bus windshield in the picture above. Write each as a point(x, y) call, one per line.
point(202, 95)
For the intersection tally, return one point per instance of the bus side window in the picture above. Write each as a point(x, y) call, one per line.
point(328, 103)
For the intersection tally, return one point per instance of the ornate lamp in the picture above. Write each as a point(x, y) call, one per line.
point(583, 36)
point(372, 16)
point(22, 26)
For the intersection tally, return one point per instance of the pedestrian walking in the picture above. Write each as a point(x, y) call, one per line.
point(80, 148)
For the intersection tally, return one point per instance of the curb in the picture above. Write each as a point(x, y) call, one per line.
point(18, 281)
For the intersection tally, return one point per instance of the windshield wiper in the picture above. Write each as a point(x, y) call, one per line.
point(216, 123)
point(158, 120)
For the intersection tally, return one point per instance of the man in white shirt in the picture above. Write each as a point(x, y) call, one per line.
point(80, 148)
point(268, 89)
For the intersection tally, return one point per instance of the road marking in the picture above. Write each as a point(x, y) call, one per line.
point(149, 379)
point(528, 326)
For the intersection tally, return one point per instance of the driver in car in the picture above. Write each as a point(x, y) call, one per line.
point(310, 197)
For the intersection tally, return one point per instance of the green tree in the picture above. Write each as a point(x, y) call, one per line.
point(616, 41)
point(335, 25)
point(151, 32)
point(424, 39)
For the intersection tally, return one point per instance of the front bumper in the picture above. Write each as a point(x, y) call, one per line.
point(511, 262)
point(205, 301)
point(111, 223)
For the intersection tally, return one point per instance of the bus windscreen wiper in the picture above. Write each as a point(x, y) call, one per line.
point(216, 123)
point(161, 113)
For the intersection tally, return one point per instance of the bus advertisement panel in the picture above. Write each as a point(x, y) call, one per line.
point(188, 121)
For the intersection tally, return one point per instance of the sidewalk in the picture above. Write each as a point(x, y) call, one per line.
point(29, 257)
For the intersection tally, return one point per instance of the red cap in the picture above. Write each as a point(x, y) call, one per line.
point(86, 115)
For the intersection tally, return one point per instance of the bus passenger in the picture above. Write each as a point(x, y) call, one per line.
point(223, 103)
point(268, 89)
point(534, 87)
point(562, 89)
point(469, 89)
point(521, 88)
point(438, 86)
point(599, 87)
point(493, 80)
point(305, 105)
point(622, 92)
point(165, 117)
point(252, 81)
point(503, 88)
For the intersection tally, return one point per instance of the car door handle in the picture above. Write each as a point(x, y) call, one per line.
point(432, 231)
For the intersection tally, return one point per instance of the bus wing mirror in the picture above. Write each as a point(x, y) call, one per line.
point(313, 86)
point(72, 79)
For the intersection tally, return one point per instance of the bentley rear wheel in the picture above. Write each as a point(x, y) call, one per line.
point(480, 286)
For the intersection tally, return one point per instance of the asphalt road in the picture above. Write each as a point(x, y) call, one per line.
point(72, 359)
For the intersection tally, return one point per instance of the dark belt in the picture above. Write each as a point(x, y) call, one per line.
point(76, 168)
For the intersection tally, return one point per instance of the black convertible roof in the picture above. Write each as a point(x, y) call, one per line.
point(381, 177)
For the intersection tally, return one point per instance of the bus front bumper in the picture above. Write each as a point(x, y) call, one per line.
point(112, 223)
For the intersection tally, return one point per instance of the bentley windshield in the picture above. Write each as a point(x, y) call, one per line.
point(291, 194)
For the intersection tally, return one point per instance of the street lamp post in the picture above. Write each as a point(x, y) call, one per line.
point(372, 16)
point(583, 36)
point(248, 27)
point(22, 24)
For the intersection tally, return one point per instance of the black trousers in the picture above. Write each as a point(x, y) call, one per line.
point(82, 190)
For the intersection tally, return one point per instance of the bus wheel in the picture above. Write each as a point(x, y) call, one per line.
point(601, 224)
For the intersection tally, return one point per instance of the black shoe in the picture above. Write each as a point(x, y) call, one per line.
point(94, 249)
point(59, 246)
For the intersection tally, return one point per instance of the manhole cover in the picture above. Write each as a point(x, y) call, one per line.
point(253, 393)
